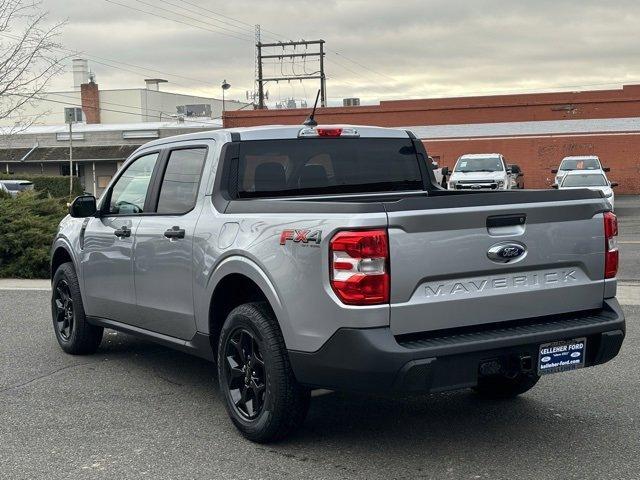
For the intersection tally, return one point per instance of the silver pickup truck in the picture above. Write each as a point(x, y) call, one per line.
point(299, 257)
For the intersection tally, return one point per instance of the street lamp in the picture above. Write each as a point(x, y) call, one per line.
point(225, 86)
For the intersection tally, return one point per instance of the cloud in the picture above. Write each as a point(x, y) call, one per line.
point(410, 49)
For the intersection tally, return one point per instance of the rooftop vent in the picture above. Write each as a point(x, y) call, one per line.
point(154, 83)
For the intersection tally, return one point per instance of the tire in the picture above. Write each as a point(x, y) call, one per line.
point(252, 358)
point(74, 334)
point(501, 387)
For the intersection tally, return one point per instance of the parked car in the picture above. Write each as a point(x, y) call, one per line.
point(584, 162)
point(592, 179)
point(479, 171)
point(516, 176)
point(14, 187)
point(439, 172)
point(268, 250)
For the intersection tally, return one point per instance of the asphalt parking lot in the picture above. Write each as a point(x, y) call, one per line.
point(138, 410)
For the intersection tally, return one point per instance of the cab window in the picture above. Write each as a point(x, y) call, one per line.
point(130, 190)
point(179, 189)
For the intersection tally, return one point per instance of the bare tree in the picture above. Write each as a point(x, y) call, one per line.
point(30, 56)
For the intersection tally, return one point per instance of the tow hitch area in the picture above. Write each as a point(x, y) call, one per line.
point(509, 366)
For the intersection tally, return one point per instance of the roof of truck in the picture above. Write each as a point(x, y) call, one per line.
point(581, 157)
point(479, 155)
point(585, 172)
point(275, 132)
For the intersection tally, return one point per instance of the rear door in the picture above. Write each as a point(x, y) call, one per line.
point(456, 262)
point(106, 254)
point(163, 268)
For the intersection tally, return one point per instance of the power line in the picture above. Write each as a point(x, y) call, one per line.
point(235, 32)
point(364, 66)
point(44, 99)
point(93, 58)
point(161, 112)
point(245, 26)
point(228, 17)
point(174, 19)
point(238, 21)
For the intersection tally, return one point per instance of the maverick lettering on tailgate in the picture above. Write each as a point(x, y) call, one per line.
point(526, 281)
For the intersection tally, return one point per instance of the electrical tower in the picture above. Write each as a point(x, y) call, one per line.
point(290, 50)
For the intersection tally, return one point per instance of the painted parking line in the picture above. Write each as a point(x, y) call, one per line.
point(22, 284)
point(629, 293)
point(630, 242)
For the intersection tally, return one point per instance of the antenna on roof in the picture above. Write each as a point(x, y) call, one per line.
point(311, 121)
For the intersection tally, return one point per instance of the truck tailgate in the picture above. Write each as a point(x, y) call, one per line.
point(442, 276)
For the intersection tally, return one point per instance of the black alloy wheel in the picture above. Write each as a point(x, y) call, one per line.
point(63, 310)
point(245, 373)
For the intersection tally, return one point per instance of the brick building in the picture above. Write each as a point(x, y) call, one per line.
point(533, 130)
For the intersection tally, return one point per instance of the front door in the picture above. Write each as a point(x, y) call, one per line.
point(163, 265)
point(108, 241)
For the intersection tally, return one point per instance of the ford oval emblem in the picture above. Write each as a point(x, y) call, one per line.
point(507, 252)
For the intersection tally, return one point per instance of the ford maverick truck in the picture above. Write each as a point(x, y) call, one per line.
point(298, 257)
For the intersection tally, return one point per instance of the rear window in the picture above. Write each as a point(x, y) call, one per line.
point(316, 166)
point(584, 180)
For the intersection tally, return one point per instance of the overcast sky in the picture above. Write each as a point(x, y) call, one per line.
point(376, 49)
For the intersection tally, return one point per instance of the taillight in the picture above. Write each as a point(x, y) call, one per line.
point(610, 245)
point(360, 267)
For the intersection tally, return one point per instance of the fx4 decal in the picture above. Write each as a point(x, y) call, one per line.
point(304, 236)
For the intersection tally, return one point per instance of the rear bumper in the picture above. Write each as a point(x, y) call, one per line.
point(373, 360)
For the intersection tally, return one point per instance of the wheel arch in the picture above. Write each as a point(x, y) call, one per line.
point(61, 253)
point(236, 281)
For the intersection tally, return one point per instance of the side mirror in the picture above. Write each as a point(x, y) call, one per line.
point(445, 171)
point(509, 171)
point(613, 184)
point(555, 185)
point(83, 206)
point(555, 170)
point(606, 169)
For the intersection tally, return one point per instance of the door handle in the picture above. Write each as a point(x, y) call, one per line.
point(122, 232)
point(174, 232)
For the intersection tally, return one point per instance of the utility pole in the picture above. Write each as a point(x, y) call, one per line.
point(71, 115)
point(258, 69)
point(260, 81)
point(70, 159)
point(293, 55)
point(323, 79)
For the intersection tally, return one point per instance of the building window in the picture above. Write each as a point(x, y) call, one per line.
point(78, 169)
point(103, 180)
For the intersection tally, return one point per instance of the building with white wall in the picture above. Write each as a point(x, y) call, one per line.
point(124, 105)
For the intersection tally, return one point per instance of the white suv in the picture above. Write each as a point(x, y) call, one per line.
point(583, 162)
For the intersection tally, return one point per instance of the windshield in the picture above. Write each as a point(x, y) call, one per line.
point(480, 164)
point(17, 187)
point(580, 164)
point(317, 166)
point(584, 180)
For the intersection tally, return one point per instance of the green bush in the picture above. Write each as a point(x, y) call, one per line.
point(57, 187)
point(28, 224)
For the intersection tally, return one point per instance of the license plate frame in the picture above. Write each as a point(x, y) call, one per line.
point(562, 356)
